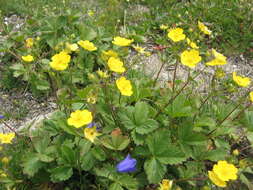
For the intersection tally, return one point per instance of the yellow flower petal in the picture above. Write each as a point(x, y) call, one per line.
point(225, 171)
point(60, 61)
point(119, 41)
point(80, 118)
point(215, 179)
point(176, 34)
point(6, 138)
point(203, 28)
point(91, 133)
point(241, 81)
point(124, 86)
point(27, 58)
point(190, 58)
point(116, 65)
point(87, 45)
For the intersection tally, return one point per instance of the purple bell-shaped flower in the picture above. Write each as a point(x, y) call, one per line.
point(127, 165)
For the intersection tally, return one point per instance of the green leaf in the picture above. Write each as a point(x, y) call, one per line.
point(137, 138)
point(61, 173)
point(45, 158)
point(87, 33)
point(154, 170)
point(188, 136)
point(68, 154)
point(128, 181)
point(158, 142)
point(40, 144)
point(248, 120)
point(87, 161)
point(19, 69)
point(115, 186)
point(174, 155)
point(84, 146)
point(179, 108)
point(115, 142)
point(42, 84)
point(215, 155)
point(141, 112)
point(98, 153)
point(147, 127)
point(127, 117)
point(32, 164)
point(205, 122)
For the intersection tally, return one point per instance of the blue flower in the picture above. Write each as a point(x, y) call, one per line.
point(127, 165)
point(90, 125)
point(1, 116)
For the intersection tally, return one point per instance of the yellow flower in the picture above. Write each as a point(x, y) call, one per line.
point(2, 174)
point(91, 13)
point(251, 96)
point(190, 58)
point(29, 42)
point(192, 44)
point(60, 61)
point(225, 171)
point(91, 98)
point(176, 34)
point(87, 45)
point(102, 74)
point(139, 49)
point(164, 27)
point(124, 86)
point(216, 180)
point(218, 60)
point(27, 58)
point(203, 28)
point(70, 47)
point(241, 81)
point(235, 152)
point(107, 54)
point(80, 118)
point(116, 65)
point(6, 138)
point(166, 184)
point(5, 160)
point(91, 133)
point(119, 41)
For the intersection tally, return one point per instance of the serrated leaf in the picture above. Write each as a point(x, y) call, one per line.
point(61, 173)
point(128, 181)
point(45, 158)
point(32, 164)
point(141, 112)
point(216, 155)
point(115, 142)
point(98, 153)
point(137, 138)
point(154, 170)
point(147, 127)
point(205, 122)
point(115, 186)
point(87, 161)
point(68, 154)
point(127, 117)
point(173, 155)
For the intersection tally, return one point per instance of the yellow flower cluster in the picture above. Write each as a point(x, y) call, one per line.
point(241, 81)
point(27, 58)
point(87, 45)
point(119, 41)
point(124, 86)
point(190, 58)
point(222, 173)
point(219, 59)
point(176, 34)
point(204, 28)
point(116, 65)
point(6, 138)
point(79, 118)
point(166, 184)
point(60, 61)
